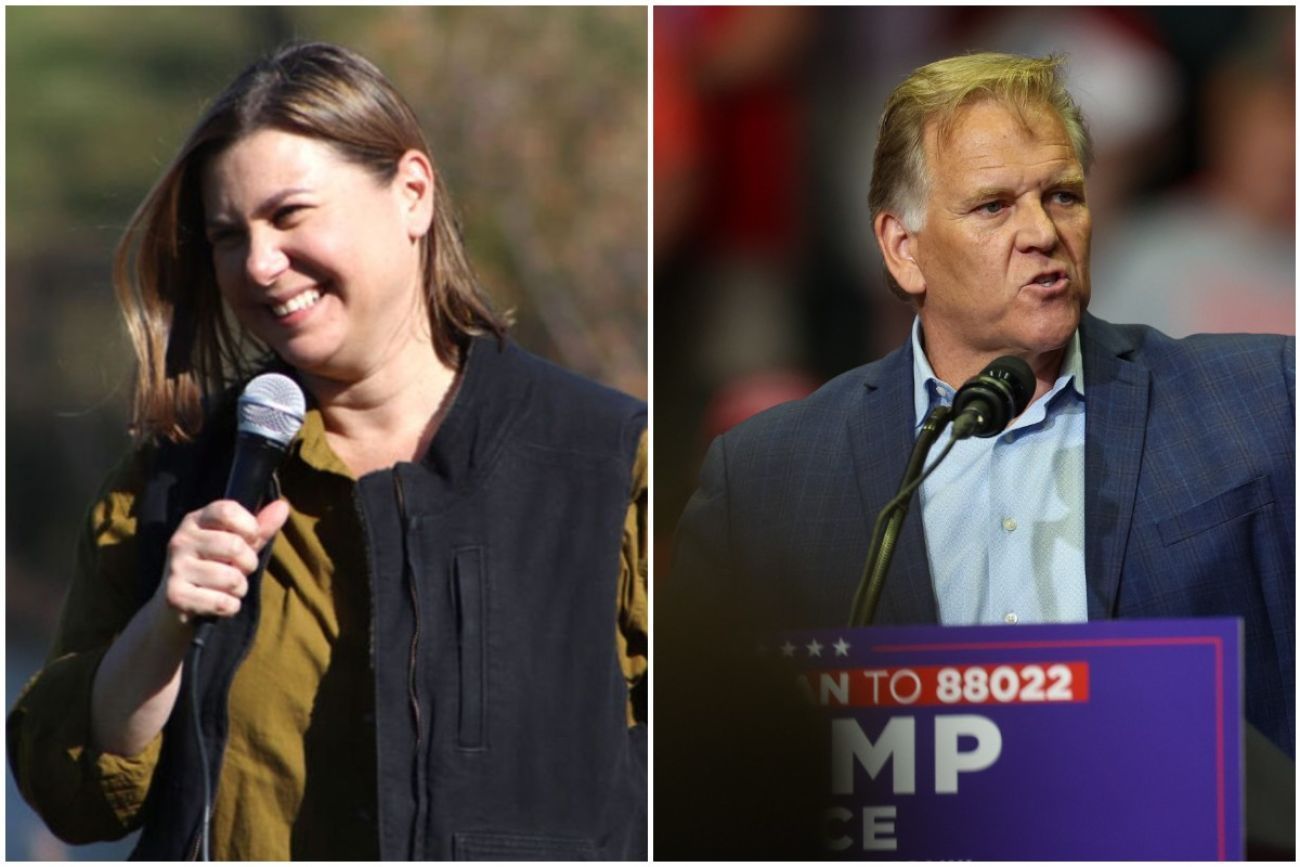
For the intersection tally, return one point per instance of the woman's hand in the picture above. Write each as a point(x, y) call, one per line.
point(211, 555)
point(209, 559)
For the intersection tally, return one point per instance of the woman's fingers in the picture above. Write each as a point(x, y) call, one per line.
point(271, 519)
point(211, 555)
point(229, 516)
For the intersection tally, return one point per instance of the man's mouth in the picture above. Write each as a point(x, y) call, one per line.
point(1048, 278)
point(301, 301)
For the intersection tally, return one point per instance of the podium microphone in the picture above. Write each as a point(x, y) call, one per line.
point(983, 407)
point(987, 403)
point(270, 410)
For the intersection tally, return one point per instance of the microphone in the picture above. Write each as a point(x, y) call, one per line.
point(270, 412)
point(987, 403)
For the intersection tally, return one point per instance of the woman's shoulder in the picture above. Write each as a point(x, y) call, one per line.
point(114, 506)
point(560, 383)
point(567, 407)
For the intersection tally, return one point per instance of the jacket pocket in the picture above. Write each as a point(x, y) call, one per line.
point(486, 846)
point(1244, 499)
point(470, 587)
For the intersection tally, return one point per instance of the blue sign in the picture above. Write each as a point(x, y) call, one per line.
point(1108, 740)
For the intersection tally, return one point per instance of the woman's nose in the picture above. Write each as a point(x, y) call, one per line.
point(266, 258)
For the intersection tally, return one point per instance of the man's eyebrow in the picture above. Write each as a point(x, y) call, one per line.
point(266, 206)
point(985, 194)
point(992, 192)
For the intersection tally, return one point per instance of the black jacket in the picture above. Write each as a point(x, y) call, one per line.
point(500, 706)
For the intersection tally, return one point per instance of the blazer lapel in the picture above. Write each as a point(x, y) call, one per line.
point(1118, 391)
point(881, 434)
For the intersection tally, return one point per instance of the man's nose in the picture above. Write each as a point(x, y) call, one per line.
point(266, 257)
point(1037, 230)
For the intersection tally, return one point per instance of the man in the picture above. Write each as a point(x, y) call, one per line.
point(1149, 477)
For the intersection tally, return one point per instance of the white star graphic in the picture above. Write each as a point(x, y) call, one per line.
point(841, 647)
point(814, 648)
point(787, 649)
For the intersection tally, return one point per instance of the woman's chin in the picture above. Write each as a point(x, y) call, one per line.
point(307, 360)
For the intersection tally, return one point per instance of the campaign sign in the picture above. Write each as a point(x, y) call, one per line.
point(1108, 740)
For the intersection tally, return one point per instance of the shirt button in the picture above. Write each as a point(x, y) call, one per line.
point(1011, 617)
point(1009, 438)
point(1009, 524)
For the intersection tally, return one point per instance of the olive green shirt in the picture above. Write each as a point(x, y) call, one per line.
point(297, 698)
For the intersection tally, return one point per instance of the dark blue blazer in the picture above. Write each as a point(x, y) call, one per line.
point(1190, 497)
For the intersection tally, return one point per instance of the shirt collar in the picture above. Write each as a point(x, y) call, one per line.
point(314, 449)
point(929, 391)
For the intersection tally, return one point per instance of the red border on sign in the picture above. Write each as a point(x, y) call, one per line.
point(1213, 640)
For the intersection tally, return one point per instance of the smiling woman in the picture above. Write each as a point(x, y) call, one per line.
point(321, 260)
point(389, 675)
point(312, 115)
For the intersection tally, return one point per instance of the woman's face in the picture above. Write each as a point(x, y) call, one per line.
point(316, 257)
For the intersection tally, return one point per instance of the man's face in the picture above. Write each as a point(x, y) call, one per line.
point(1003, 253)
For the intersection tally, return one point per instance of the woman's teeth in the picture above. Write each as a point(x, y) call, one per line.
point(298, 302)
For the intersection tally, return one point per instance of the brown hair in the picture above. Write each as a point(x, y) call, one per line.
point(934, 94)
point(186, 348)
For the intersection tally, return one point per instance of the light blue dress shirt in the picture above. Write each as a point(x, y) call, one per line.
point(1004, 515)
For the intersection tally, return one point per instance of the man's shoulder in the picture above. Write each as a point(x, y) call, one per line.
point(1199, 388)
point(818, 425)
point(1145, 343)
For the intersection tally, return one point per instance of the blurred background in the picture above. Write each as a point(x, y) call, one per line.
point(537, 118)
point(767, 277)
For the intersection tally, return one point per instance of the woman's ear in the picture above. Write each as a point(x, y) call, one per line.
point(898, 246)
point(413, 183)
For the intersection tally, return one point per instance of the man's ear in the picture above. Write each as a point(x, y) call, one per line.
point(898, 246)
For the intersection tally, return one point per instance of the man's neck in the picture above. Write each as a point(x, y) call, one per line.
point(955, 367)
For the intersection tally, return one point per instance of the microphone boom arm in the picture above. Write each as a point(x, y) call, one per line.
point(890, 520)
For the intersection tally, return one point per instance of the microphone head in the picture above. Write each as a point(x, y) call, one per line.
point(986, 404)
point(272, 407)
point(1018, 377)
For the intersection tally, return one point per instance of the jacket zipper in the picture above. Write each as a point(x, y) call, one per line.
point(412, 684)
point(411, 692)
point(359, 505)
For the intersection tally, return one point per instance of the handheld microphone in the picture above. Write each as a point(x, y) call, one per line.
point(987, 403)
point(270, 410)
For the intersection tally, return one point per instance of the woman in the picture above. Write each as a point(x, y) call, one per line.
point(425, 648)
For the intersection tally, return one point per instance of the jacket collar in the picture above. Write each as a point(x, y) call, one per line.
point(493, 393)
point(1115, 435)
